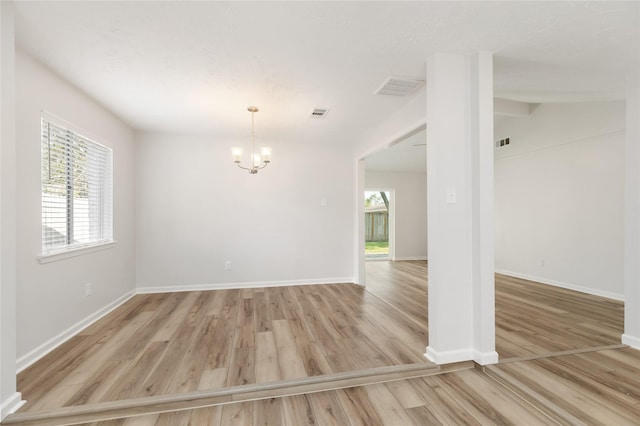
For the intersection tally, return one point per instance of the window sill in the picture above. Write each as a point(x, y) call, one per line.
point(76, 251)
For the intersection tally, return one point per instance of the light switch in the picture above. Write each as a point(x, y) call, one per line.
point(323, 202)
point(451, 196)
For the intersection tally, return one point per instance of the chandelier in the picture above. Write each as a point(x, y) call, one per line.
point(257, 160)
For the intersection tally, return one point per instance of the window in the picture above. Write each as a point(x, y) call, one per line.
point(76, 190)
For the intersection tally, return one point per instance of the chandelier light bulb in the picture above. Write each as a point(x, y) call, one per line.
point(237, 154)
point(266, 154)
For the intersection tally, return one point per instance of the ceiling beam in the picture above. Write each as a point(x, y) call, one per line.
point(507, 108)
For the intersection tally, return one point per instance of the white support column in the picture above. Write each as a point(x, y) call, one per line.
point(631, 334)
point(9, 399)
point(460, 208)
point(483, 233)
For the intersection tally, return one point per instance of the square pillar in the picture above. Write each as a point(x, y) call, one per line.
point(460, 208)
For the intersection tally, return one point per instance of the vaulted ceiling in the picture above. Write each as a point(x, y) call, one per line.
point(195, 66)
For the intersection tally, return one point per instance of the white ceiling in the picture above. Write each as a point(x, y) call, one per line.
point(195, 66)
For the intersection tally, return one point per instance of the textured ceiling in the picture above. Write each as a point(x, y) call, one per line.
point(195, 66)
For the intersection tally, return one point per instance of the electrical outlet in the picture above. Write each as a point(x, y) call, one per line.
point(87, 289)
point(227, 265)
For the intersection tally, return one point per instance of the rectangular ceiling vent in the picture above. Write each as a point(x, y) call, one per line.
point(319, 113)
point(502, 143)
point(398, 86)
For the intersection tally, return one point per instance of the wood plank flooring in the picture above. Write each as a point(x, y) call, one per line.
point(562, 360)
point(531, 318)
point(593, 388)
point(160, 344)
point(199, 399)
point(600, 387)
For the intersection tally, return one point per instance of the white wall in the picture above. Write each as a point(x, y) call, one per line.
point(559, 193)
point(410, 210)
point(196, 210)
point(51, 298)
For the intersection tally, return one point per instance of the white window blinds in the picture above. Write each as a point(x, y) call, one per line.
point(76, 190)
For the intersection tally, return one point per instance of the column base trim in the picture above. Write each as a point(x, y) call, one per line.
point(448, 357)
point(11, 405)
point(485, 358)
point(632, 341)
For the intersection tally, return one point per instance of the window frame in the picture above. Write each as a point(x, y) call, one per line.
point(105, 218)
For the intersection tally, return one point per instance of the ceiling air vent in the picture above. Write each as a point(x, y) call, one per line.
point(319, 113)
point(398, 86)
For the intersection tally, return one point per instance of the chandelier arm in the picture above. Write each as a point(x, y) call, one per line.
point(244, 168)
point(264, 164)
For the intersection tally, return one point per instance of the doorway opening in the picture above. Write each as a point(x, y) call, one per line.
point(378, 225)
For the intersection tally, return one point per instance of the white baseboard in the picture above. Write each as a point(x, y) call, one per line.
point(233, 286)
point(34, 355)
point(378, 259)
point(485, 358)
point(448, 357)
point(410, 258)
point(581, 289)
point(632, 341)
point(11, 405)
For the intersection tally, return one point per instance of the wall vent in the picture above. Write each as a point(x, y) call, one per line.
point(319, 113)
point(502, 143)
point(398, 86)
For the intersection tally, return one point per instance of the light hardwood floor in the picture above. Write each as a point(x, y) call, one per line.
point(531, 318)
point(600, 387)
point(180, 342)
point(452, 399)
